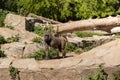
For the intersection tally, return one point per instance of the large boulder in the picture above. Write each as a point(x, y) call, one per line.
point(31, 48)
point(24, 36)
point(19, 22)
point(13, 50)
point(90, 41)
point(5, 62)
point(29, 64)
point(16, 21)
point(6, 32)
point(18, 50)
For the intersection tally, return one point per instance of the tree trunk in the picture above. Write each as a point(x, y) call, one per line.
point(105, 24)
point(43, 19)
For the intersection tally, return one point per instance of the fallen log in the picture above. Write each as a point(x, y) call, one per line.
point(105, 24)
point(43, 19)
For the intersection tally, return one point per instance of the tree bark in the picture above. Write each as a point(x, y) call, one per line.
point(105, 24)
point(43, 19)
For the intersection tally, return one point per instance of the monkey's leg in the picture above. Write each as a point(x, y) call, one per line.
point(63, 44)
point(63, 53)
point(46, 51)
point(57, 51)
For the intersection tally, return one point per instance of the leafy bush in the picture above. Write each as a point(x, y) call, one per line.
point(37, 39)
point(2, 17)
point(88, 48)
point(65, 10)
point(117, 75)
point(79, 51)
point(70, 47)
point(2, 54)
point(2, 40)
point(13, 72)
point(100, 75)
point(39, 30)
point(39, 55)
point(10, 27)
point(13, 39)
point(86, 34)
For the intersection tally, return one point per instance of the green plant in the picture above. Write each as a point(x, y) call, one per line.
point(10, 27)
point(2, 17)
point(2, 40)
point(79, 51)
point(13, 72)
point(88, 48)
point(39, 55)
point(70, 47)
point(86, 34)
point(117, 75)
point(100, 75)
point(13, 39)
point(37, 39)
point(2, 54)
point(52, 53)
point(116, 36)
point(39, 30)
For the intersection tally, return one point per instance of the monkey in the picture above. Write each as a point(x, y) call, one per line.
point(56, 42)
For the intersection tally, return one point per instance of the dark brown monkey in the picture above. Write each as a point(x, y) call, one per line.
point(56, 42)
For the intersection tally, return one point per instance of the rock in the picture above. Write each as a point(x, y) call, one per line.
point(30, 23)
point(90, 41)
point(20, 22)
point(29, 64)
point(18, 50)
point(13, 50)
point(24, 36)
point(70, 68)
point(107, 54)
point(6, 32)
point(16, 21)
point(5, 62)
point(31, 48)
point(115, 29)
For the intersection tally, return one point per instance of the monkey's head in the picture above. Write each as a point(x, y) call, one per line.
point(48, 37)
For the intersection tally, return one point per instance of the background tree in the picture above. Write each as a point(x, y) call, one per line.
point(65, 10)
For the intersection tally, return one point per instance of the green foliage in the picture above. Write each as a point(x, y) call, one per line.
point(10, 27)
point(10, 5)
point(100, 75)
point(65, 10)
point(13, 39)
point(39, 55)
point(2, 17)
point(86, 34)
point(2, 54)
point(79, 51)
point(2, 40)
point(117, 75)
point(117, 36)
point(70, 47)
point(52, 53)
point(88, 48)
point(37, 39)
point(39, 30)
point(13, 72)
